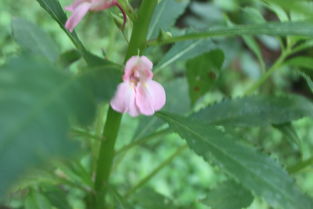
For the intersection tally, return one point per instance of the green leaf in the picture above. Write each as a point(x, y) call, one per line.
point(255, 171)
point(202, 73)
point(37, 102)
point(304, 29)
point(69, 57)
point(185, 50)
point(228, 195)
point(308, 80)
point(257, 110)
point(290, 133)
point(301, 61)
point(36, 200)
point(56, 196)
point(120, 202)
point(150, 199)
point(165, 16)
point(32, 39)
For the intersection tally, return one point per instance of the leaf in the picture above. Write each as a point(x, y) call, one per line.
point(69, 57)
point(257, 110)
point(36, 200)
point(32, 39)
point(256, 172)
point(301, 61)
point(304, 29)
point(120, 202)
point(228, 195)
point(202, 73)
point(150, 199)
point(37, 102)
point(290, 132)
point(56, 196)
point(165, 16)
point(185, 50)
point(307, 79)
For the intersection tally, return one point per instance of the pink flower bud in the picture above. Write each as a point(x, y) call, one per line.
point(80, 8)
point(138, 93)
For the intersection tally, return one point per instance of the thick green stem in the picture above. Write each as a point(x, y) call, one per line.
point(111, 127)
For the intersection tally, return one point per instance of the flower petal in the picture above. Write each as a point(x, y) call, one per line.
point(150, 97)
point(79, 12)
point(142, 65)
point(124, 99)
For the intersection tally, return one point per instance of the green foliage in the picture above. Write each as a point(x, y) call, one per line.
point(32, 39)
point(256, 110)
point(228, 195)
point(185, 50)
point(203, 72)
point(36, 104)
point(165, 16)
point(253, 170)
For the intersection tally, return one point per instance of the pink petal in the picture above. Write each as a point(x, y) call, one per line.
point(150, 97)
point(124, 99)
point(140, 64)
point(72, 7)
point(79, 12)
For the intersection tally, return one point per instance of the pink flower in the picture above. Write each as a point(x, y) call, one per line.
point(138, 93)
point(80, 8)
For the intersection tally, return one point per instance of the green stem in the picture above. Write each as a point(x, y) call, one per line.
point(143, 140)
point(156, 170)
point(269, 72)
point(111, 127)
point(300, 166)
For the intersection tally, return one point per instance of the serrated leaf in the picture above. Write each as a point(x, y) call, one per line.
point(228, 195)
point(32, 39)
point(37, 102)
point(255, 171)
point(202, 73)
point(257, 110)
point(185, 50)
point(165, 16)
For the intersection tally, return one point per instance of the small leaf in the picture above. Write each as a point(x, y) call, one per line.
point(165, 16)
point(257, 110)
point(228, 195)
point(185, 50)
point(69, 57)
point(32, 39)
point(290, 132)
point(36, 200)
point(202, 73)
point(256, 172)
point(308, 80)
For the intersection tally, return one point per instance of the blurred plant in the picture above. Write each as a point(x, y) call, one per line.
point(238, 79)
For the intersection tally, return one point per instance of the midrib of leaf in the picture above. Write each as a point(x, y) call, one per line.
point(190, 47)
point(228, 156)
point(36, 110)
point(156, 20)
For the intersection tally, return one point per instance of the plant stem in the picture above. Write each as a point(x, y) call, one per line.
point(156, 170)
point(111, 127)
point(143, 140)
point(269, 72)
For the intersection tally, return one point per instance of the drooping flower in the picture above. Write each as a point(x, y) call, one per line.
point(138, 93)
point(80, 8)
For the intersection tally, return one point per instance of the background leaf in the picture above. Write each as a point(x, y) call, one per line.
point(202, 73)
point(32, 39)
point(165, 16)
point(257, 110)
point(37, 100)
point(228, 195)
point(252, 169)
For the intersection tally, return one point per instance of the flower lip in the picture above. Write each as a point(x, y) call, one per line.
point(138, 93)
